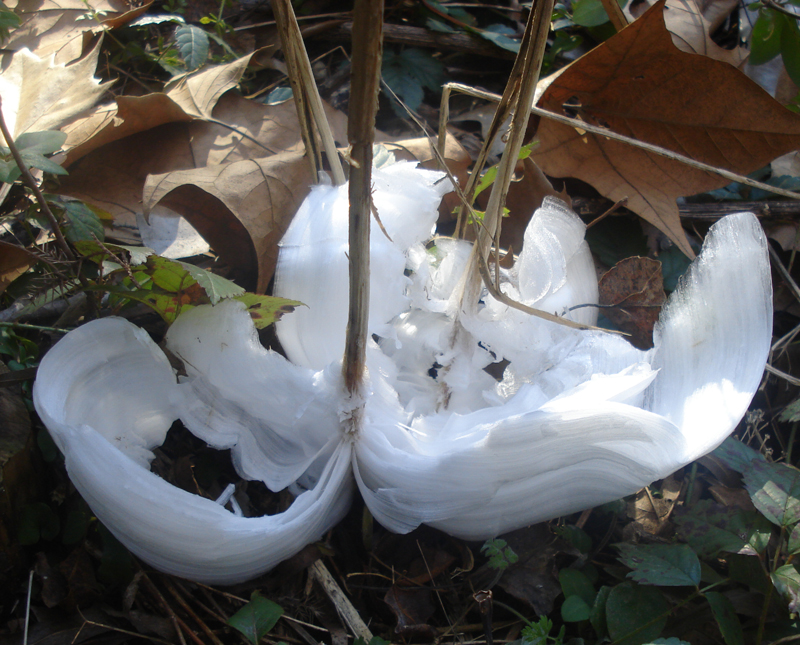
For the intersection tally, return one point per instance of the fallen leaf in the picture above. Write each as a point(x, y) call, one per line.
point(633, 291)
point(191, 97)
point(39, 94)
point(691, 30)
point(116, 160)
point(14, 261)
point(412, 608)
point(242, 208)
point(63, 28)
point(639, 84)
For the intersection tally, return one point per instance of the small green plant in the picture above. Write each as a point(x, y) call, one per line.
point(538, 633)
point(256, 618)
point(501, 556)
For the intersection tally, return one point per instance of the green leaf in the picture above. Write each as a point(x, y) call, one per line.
point(76, 525)
point(711, 529)
point(765, 39)
point(790, 48)
point(589, 13)
point(630, 607)
point(736, 456)
point(791, 412)
point(410, 72)
point(725, 614)
point(96, 253)
point(44, 142)
point(747, 570)
point(36, 521)
point(787, 581)
point(575, 610)
point(499, 35)
point(774, 489)
point(82, 223)
point(598, 614)
point(193, 45)
point(256, 618)
point(265, 310)
point(576, 537)
point(216, 287)
point(575, 583)
point(664, 565)
point(35, 160)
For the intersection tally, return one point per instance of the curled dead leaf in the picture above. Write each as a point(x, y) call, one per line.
point(241, 208)
point(64, 28)
point(639, 84)
point(633, 290)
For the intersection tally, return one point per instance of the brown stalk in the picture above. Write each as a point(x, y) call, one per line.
point(31, 183)
point(306, 96)
point(365, 83)
point(615, 14)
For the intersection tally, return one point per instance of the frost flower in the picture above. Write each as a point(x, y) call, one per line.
point(573, 419)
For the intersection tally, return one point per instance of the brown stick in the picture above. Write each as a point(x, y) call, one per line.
point(615, 14)
point(304, 89)
point(365, 83)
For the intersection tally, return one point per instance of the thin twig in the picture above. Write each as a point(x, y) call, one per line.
point(28, 608)
point(615, 14)
point(307, 99)
point(31, 183)
point(343, 605)
point(610, 134)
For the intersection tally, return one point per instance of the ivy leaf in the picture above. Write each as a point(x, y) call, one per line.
point(711, 529)
point(575, 610)
point(575, 583)
point(193, 45)
point(410, 72)
point(629, 608)
point(787, 581)
point(265, 310)
point(256, 618)
point(667, 565)
point(725, 615)
point(589, 13)
point(736, 456)
point(775, 491)
point(82, 223)
point(765, 39)
point(790, 48)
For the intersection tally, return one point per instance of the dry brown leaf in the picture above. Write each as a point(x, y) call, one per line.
point(241, 208)
point(634, 290)
point(39, 94)
point(113, 169)
point(691, 30)
point(14, 261)
point(639, 84)
point(65, 27)
point(194, 97)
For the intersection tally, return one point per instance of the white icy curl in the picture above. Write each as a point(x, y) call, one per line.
point(577, 418)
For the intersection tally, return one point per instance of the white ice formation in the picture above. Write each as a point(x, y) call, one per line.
point(578, 419)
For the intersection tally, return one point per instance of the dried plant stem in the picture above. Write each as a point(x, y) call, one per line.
point(31, 183)
point(365, 83)
point(610, 134)
point(615, 14)
point(304, 88)
point(522, 88)
point(343, 605)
